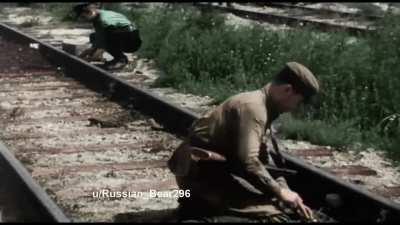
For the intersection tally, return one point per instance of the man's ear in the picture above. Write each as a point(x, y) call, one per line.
point(287, 88)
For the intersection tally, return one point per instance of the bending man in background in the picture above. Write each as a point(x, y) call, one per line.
point(113, 32)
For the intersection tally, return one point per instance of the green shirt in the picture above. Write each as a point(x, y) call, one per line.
point(108, 19)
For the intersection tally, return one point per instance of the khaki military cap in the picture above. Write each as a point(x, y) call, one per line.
point(300, 77)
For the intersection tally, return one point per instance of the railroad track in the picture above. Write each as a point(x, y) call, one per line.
point(321, 10)
point(78, 141)
point(74, 142)
point(300, 16)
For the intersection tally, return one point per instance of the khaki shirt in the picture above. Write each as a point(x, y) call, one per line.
point(236, 129)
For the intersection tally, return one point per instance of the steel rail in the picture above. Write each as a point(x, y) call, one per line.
point(289, 20)
point(37, 205)
point(322, 10)
point(358, 204)
point(311, 182)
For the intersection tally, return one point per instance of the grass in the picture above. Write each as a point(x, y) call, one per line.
point(359, 77)
point(340, 136)
point(61, 11)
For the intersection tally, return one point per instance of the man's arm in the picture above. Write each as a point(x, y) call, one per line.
point(87, 52)
point(251, 125)
point(251, 129)
point(100, 28)
point(98, 41)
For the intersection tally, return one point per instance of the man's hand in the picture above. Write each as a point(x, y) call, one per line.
point(295, 202)
point(87, 53)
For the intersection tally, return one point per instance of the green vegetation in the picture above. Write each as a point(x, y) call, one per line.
point(319, 132)
point(61, 11)
point(360, 77)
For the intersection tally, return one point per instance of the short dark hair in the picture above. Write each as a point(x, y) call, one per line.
point(80, 8)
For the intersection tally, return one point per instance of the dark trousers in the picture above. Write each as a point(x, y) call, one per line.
point(117, 42)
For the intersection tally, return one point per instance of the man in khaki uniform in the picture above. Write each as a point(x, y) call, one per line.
point(220, 162)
